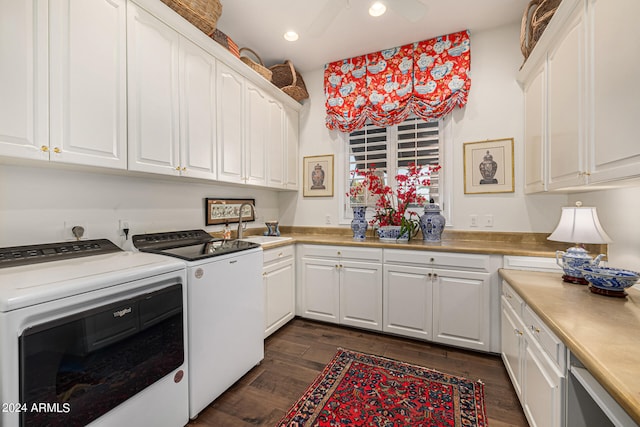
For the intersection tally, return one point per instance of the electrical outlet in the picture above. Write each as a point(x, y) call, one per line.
point(327, 219)
point(488, 220)
point(81, 230)
point(473, 220)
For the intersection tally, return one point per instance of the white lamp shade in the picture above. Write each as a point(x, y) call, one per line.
point(579, 225)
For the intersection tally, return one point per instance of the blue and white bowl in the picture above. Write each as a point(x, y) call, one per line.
point(610, 279)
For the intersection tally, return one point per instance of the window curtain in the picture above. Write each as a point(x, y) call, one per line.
point(428, 78)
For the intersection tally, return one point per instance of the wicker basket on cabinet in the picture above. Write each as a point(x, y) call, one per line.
point(289, 80)
point(204, 14)
point(536, 17)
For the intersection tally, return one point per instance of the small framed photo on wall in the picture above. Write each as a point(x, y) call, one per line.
point(488, 167)
point(318, 176)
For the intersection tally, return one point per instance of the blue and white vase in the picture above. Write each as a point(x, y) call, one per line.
point(359, 223)
point(432, 223)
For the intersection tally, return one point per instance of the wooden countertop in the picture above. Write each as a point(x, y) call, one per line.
point(603, 332)
point(493, 243)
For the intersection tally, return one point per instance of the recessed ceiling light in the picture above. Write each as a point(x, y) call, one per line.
point(377, 9)
point(291, 36)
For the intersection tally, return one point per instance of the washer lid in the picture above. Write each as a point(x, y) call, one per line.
point(39, 283)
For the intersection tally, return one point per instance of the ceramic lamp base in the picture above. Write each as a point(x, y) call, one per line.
point(606, 292)
point(574, 280)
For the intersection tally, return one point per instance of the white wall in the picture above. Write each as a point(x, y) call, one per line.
point(618, 211)
point(494, 110)
point(36, 201)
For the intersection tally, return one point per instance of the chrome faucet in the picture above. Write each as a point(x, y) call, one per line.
point(240, 225)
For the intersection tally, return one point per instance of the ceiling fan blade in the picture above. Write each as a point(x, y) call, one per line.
point(411, 10)
point(326, 16)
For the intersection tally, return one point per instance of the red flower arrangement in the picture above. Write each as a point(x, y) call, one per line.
point(391, 206)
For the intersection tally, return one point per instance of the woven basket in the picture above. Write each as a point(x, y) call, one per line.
point(204, 14)
point(289, 80)
point(536, 17)
point(256, 66)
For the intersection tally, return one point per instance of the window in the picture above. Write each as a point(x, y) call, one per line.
point(394, 148)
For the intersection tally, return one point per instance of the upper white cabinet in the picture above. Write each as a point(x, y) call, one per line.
point(251, 132)
point(88, 82)
point(614, 108)
point(64, 94)
point(171, 100)
point(291, 129)
point(24, 85)
point(579, 105)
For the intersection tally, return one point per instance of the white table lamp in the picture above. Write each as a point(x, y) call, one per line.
point(578, 225)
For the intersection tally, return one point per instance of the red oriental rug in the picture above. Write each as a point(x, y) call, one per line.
point(357, 389)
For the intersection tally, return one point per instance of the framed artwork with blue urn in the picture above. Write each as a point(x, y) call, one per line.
point(488, 167)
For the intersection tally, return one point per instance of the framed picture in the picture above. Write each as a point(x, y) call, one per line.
point(222, 211)
point(318, 176)
point(488, 167)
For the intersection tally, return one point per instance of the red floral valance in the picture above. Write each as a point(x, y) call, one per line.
point(427, 78)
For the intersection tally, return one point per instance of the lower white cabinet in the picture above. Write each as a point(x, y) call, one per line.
point(441, 297)
point(341, 285)
point(279, 278)
point(408, 297)
point(535, 360)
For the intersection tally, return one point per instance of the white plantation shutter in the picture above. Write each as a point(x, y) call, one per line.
point(392, 149)
point(418, 142)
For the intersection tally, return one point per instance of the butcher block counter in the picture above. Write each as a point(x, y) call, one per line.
point(602, 332)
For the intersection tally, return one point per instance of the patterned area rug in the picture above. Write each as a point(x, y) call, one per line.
point(357, 389)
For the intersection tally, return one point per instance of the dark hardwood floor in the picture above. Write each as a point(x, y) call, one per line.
point(297, 353)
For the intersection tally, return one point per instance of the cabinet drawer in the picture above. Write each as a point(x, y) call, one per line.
point(278, 254)
point(438, 259)
point(531, 263)
point(512, 298)
point(343, 252)
point(549, 342)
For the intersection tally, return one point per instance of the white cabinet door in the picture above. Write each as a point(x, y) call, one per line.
point(256, 125)
point(24, 79)
point(279, 285)
point(320, 289)
point(534, 132)
point(197, 112)
point(230, 112)
point(461, 308)
point(361, 294)
point(153, 67)
point(291, 148)
point(512, 334)
point(616, 37)
point(566, 100)
point(88, 82)
point(542, 389)
point(407, 296)
point(275, 143)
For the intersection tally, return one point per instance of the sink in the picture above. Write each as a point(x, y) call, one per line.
point(265, 239)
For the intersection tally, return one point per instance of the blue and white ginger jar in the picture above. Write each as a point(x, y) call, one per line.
point(432, 223)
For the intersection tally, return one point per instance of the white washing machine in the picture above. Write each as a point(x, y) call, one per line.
point(92, 335)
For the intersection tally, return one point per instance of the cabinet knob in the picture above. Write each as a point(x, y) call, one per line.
point(178, 168)
point(432, 259)
point(535, 329)
point(184, 169)
point(429, 275)
point(435, 275)
point(280, 254)
point(337, 266)
point(56, 150)
point(517, 332)
point(264, 274)
point(44, 148)
point(339, 253)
